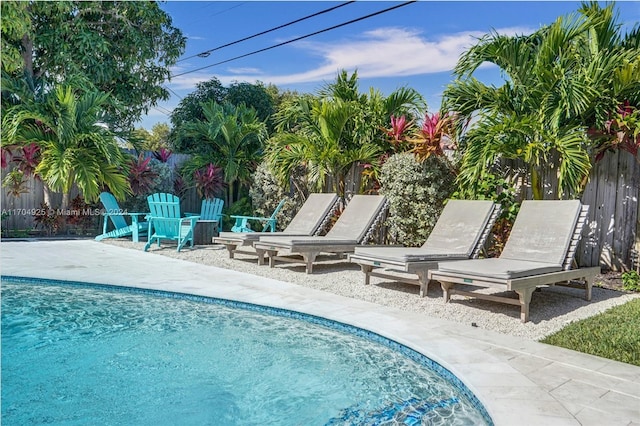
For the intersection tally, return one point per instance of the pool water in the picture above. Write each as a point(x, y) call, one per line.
point(81, 355)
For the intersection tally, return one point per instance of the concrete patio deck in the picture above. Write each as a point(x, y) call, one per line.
point(519, 381)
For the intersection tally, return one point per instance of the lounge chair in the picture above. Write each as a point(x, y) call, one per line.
point(242, 222)
point(116, 215)
point(310, 219)
point(166, 223)
point(354, 226)
point(539, 252)
point(460, 233)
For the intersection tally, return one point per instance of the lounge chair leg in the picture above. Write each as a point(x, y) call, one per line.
point(424, 282)
point(446, 286)
point(366, 269)
point(309, 258)
point(525, 299)
point(588, 283)
point(272, 260)
point(260, 253)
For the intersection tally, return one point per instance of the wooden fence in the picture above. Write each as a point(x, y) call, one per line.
point(612, 239)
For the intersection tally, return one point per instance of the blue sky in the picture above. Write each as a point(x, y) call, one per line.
point(416, 45)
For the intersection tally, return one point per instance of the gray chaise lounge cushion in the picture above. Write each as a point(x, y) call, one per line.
point(454, 236)
point(350, 228)
point(538, 243)
point(498, 268)
point(305, 222)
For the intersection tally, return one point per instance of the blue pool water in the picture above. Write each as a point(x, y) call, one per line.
point(74, 354)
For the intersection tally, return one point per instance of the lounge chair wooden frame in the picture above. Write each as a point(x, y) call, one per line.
point(526, 285)
point(321, 206)
point(377, 266)
point(306, 250)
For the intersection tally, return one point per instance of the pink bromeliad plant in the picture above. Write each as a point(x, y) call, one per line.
point(435, 135)
point(397, 133)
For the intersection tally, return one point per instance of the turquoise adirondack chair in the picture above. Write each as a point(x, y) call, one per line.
point(116, 215)
point(242, 222)
point(166, 223)
point(211, 211)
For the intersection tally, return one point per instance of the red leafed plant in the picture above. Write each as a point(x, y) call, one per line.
point(162, 154)
point(621, 131)
point(28, 159)
point(209, 181)
point(141, 177)
point(434, 136)
point(397, 133)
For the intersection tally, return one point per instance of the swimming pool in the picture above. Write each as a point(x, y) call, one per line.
point(98, 354)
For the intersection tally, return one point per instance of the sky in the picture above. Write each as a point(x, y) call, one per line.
point(414, 45)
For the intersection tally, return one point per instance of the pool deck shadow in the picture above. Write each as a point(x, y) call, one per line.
point(519, 381)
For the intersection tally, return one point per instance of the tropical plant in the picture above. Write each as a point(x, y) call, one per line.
point(141, 177)
point(336, 129)
point(162, 155)
point(121, 48)
point(434, 136)
point(559, 80)
point(631, 281)
point(47, 219)
point(16, 183)
point(323, 146)
point(230, 137)
point(209, 181)
point(75, 147)
point(416, 192)
point(266, 192)
point(621, 131)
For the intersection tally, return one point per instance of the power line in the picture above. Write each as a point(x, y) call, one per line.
point(208, 52)
point(160, 110)
point(296, 39)
point(171, 90)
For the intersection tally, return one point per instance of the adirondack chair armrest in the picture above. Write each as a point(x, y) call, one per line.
point(119, 212)
point(250, 217)
point(241, 223)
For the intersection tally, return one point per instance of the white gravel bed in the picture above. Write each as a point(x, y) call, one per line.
point(551, 309)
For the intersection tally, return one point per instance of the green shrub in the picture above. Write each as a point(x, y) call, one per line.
point(416, 193)
point(266, 193)
point(631, 281)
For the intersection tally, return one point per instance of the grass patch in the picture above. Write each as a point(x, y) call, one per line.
point(613, 334)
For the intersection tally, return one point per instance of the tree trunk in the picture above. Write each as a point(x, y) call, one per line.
point(536, 184)
point(27, 55)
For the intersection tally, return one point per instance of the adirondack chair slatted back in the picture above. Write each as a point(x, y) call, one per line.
point(211, 209)
point(111, 206)
point(164, 205)
point(167, 206)
point(271, 223)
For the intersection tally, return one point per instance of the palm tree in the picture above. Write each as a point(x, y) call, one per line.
point(332, 131)
point(232, 138)
point(560, 80)
point(323, 146)
point(75, 148)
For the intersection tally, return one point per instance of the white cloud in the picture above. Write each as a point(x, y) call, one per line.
point(383, 52)
point(246, 70)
